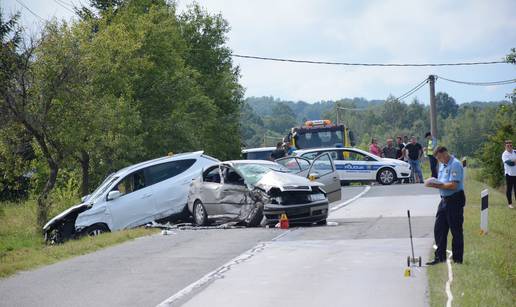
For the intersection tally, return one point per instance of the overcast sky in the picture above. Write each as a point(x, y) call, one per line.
point(354, 31)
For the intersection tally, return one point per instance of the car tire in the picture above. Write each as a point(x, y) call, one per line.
point(386, 176)
point(199, 214)
point(255, 218)
point(96, 229)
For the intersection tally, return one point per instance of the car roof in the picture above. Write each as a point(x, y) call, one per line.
point(258, 149)
point(302, 151)
point(264, 162)
point(180, 156)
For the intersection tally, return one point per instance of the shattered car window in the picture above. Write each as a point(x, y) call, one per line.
point(252, 173)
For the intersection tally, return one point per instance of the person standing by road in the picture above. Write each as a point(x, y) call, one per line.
point(279, 152)
point(509, 165)
point(429, 151)
point(374, 149)
point(415, 151)
point(400, 153)
point(389, 151)
point(450, 213)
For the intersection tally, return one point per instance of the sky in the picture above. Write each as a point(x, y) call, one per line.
point(382, 31)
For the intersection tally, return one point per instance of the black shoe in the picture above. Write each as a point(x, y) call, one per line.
point(434, 262)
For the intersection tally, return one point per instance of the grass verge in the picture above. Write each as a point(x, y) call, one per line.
point(488, 275)
point(22, 246)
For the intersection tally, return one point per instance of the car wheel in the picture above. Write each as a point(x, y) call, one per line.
point(199, 214)
point(386, 176)
point(96, 229)
point(255, 217)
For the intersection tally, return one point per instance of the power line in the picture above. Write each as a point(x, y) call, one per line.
point(489, 83)
point(413, 90)
point(365, 64)
point(61, 4)
point(28, 9)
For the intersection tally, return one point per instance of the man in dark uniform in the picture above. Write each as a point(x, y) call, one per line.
point(450, 214)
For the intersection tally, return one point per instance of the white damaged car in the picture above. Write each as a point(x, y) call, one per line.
point(131, 197)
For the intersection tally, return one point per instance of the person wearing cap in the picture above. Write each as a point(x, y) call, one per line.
point(450, 213)
point(509, 165)
point(429, 151)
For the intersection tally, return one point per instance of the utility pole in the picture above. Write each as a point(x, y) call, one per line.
point(338, 111)
point(433, 107)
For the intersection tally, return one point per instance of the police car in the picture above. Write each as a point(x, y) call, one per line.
point(356, 165)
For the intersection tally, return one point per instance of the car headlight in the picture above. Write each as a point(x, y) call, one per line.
point(316, 197)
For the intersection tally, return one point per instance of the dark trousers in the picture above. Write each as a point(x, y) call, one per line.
point(510, 182)
point(433, 165)
point(450, 217)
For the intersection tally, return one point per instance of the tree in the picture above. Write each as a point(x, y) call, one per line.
point(446, 105)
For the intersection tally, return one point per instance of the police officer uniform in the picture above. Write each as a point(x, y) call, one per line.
point(450, 214)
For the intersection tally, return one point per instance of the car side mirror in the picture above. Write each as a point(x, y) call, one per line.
point(113, 195)
point(85, 197)
point(313, 176)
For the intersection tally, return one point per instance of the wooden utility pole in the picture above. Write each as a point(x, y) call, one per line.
point(433, 107)
point(338, 111)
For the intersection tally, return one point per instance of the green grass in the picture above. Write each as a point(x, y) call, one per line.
point(487, 277)
point(22, 246)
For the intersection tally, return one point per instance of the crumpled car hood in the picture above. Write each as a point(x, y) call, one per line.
point(284, 181)
point(65, 213)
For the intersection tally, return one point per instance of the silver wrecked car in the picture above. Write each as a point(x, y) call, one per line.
point(133, 196)
point(249, 190)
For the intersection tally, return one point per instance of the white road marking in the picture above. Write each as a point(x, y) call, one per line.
point(218, 273)
point(449, 281)
point(349, 201)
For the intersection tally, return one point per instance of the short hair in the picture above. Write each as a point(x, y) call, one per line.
point(279, 144)
point(428, 134)
point(508, 141)
point(440, 149)
point(399, 137)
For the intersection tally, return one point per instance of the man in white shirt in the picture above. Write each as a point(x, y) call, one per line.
point(509, 165)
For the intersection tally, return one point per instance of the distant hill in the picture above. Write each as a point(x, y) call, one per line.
point(263, 106)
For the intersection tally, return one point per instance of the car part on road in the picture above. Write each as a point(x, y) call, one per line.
point(412, 260)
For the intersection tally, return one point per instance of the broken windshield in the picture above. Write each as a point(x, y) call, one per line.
point(252, 173)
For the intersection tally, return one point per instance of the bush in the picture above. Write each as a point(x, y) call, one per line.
point(491, 151)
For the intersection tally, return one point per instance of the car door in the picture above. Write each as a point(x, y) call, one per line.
point(295, 165)
point(324, 170)
point(171, 182)
point(355, 166)
point(210, 190)
point(135, 206)
point(233, 193)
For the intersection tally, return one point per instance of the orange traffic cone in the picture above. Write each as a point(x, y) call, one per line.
point(283, 221)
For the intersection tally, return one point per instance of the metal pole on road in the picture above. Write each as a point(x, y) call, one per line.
point(433, 107)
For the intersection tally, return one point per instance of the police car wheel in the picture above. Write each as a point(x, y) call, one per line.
point(386, 176)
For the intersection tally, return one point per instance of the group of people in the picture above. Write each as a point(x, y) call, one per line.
point(411, 152)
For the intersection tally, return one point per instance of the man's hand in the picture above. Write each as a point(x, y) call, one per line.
point(435, 185)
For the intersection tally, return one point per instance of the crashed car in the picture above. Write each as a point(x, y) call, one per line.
point(133, 196)
point(256, 191)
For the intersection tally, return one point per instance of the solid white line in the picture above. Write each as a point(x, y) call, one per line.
point(449, 281)
point(218, 273)
point(349, 201)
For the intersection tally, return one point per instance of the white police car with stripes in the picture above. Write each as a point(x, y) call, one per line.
point(356, 165)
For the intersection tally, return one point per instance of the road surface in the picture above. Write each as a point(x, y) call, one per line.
point(358, 262)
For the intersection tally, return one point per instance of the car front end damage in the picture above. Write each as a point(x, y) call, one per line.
point(62, 227)
point(303, 201)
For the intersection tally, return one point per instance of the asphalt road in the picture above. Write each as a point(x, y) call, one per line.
point(357, 262)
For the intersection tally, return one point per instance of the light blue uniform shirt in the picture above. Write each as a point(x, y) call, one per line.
point(452, 171)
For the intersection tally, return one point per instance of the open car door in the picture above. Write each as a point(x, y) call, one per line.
point(323, 170)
